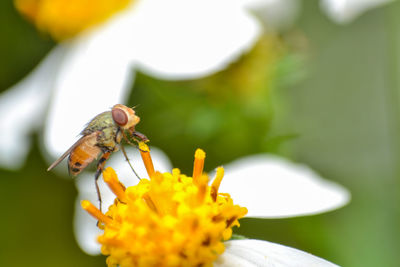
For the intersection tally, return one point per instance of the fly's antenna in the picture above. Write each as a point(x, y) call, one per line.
point(127, 159)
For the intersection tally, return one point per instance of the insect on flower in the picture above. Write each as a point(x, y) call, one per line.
point(102, 136)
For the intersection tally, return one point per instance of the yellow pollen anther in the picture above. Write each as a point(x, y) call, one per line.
point(199, 157)
point(95, 212)
point(143, 147)
point(148, 163)
point(110, 177)
point(216, 183)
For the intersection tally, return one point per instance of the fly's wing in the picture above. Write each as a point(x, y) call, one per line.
point(77, 143)
point(93, 127)
point(55, 163)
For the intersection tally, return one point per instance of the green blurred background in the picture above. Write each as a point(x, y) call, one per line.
point(319, 93)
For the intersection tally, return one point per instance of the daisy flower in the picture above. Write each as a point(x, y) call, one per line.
point(171, 219)
point(101, 44)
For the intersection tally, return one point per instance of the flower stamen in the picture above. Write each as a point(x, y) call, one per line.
point(216, 183)
point(95, 212)
point(198, 165)
point(110, 177)
point(148, 162)
point(149, 202)
point(202, 188)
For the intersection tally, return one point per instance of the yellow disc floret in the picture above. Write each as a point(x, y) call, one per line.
point(168, 220)
point(66, 18)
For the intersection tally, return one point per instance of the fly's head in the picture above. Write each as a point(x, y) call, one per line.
point(124, 117)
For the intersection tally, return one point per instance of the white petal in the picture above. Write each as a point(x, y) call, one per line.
point(273, 187)
point(258, 253)
point(22, 108)
point(94, 76)
point(187, 39)
point(344, 11)
point(86, 231)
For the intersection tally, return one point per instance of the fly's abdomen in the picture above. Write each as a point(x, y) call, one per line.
point(82, 156)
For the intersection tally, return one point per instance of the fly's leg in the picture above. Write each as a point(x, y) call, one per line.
point(127, 159)
point(100, 167)
point(136, 136)
point(139, 137)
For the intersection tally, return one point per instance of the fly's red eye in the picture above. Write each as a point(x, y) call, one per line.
point(119, 116)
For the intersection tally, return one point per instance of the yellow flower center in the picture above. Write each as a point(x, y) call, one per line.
point(168, 220)
point(63, 19)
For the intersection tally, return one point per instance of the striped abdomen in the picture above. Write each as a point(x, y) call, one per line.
point(83, 154)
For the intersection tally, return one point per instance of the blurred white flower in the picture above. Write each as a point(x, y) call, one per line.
point(268, 186)
point(283, 13)
point(273, 187)
point(344, 11)
point(86, 75)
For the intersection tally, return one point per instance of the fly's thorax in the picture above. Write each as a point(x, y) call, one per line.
point(104, 124)
point(107, 140)
point(99, 123)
